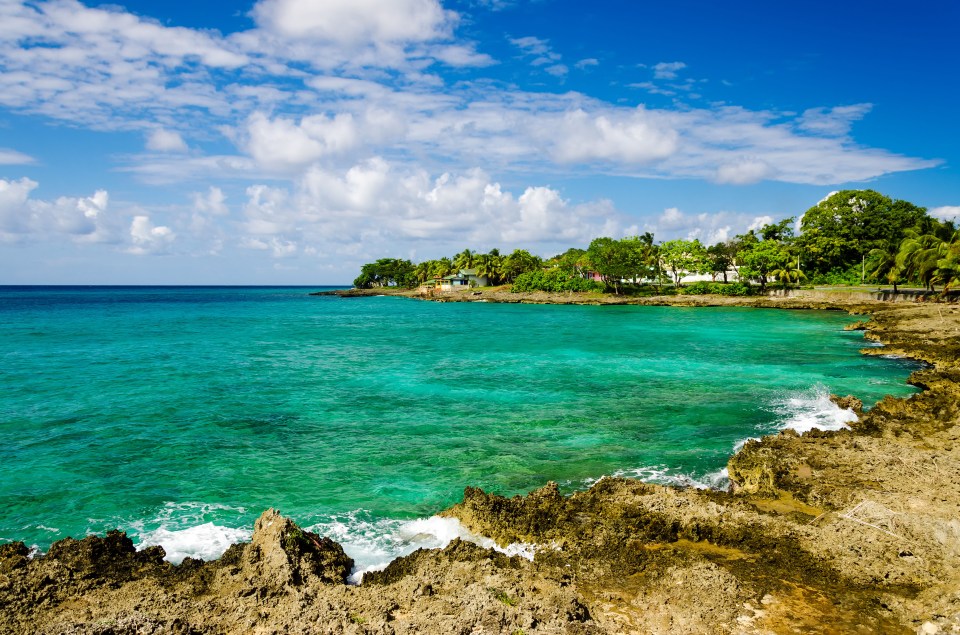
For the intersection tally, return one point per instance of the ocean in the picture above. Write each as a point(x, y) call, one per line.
point(179, 414)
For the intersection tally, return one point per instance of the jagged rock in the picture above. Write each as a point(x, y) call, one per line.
point(848, 403)
point(281, 555)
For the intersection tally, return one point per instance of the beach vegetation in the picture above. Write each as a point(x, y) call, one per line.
point(682, 257)
point(553, 280)
point(850, 238)
point(845, 227)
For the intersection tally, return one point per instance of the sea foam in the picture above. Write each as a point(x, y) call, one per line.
point(812, 410)
point(207, 541)
point(374, 544)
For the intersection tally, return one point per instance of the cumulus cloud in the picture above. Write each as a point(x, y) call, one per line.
point(375, 204)
point(707, 227)
point(357, 21)
point(945, 212)
point(82, 219)
point(212, 202)
point(634, 137)
point(587, 63)
point(147, 238)
point(161, 140)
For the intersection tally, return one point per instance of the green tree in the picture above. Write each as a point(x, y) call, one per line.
point(613, 260)
point(720, 258)
point(519, 261)
point(882, 264)
point(488, 266)
point(386, 272)
point(842, 229)
point(465, 259)
point(682, 257)
point(762, 259)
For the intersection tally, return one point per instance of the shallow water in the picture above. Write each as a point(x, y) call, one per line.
point(179, 414)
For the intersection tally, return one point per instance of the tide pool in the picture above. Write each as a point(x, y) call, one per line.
point(179, 414)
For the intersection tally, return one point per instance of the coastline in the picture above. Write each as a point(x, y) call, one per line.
point(856, 530)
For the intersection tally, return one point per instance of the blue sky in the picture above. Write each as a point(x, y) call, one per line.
point(289, 141)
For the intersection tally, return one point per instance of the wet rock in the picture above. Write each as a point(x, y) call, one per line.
point(848, 403)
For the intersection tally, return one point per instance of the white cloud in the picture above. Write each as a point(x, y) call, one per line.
point(667, 70)
point(14, 217)
point(375, 206)
point(587, 63)
point(357, 21)
point(636, 136)
point(743, 171)
point(759, 222)
point(82, 219)
point(832, 122)
point(557, 70)
point(162, 140)
point(945, 212)
point(213, 202)
point(12, 157)
point(532, 45)
point(708, 227)
point(147, 238)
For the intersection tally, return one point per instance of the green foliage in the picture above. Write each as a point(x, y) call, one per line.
point(554, 280)
point(503, 597)
point(843, 228)
point(851, 277)
point(716, 288)
point(737, 289)
point(613, 259)
point(518, 262)
point(386, 272)
point(682, 257)
point(762, 259)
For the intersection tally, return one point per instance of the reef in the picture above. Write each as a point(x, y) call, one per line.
point(855, 531)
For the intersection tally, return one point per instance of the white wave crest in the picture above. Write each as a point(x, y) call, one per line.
point(207, 541)
point(374, 544)
point(662, 475)
point(191, 529)
point(812, 410)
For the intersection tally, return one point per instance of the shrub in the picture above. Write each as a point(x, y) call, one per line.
point(838, 276)
point(554, 280)
point(699, 288)
point(736, 288)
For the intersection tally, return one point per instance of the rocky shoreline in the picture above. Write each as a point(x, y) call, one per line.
point(856, 531)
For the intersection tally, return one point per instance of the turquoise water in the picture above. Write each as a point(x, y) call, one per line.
point(180, 414)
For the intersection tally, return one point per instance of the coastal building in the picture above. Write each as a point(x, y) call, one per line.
point(461, 280)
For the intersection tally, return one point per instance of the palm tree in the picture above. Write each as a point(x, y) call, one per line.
point(465, 259)
point(918, 257)
point(948, 265)
point(441, 267)
point(884, 265)
point(786, 275)
point(488, 266)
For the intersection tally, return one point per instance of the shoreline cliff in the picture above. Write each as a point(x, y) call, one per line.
point(856, 531)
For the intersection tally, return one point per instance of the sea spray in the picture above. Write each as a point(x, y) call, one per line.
point(812, 410)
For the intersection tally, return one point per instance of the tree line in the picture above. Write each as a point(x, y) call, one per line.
point(851, 237)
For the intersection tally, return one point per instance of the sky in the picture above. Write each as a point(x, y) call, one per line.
point(290, 141)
